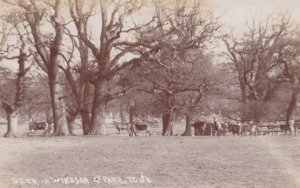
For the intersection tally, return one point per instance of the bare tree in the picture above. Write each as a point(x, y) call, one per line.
point(84, 88)
point(256, 58)
point(112, 51)
point(12, 110)
point(77, 78)
point(197, 102)
point(182, 35)
point(289, 58)
point(35, 12)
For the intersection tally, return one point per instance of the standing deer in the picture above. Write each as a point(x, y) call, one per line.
point(220, 128)
point(39, 125)
point(137, 127)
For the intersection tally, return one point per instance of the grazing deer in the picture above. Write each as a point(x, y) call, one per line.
point(139, 127)
point(39, 125)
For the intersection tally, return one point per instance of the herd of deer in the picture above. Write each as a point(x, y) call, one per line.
point(200, 128)
point(246, 129)
point(132, 129)
point(221, 129)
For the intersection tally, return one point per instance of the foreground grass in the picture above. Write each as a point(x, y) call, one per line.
point(166, 161)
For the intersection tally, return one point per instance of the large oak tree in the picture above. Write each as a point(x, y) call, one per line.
point(48, 53)
point(257, 58)
point(179, 68)
point(111, 55)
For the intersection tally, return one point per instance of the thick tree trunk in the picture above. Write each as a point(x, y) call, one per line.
point(85, 116)
point(291, 112)
point(51, 61)
point(188, 126)
point(97, 126)
point(56, 92)
point(86, 121)
point(58, 107)
point(98, 120)
point(167, 124)
point(12, 120)
point(191, 110)
point(12, 110)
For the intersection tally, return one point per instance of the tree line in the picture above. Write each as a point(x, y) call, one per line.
point(145, 58)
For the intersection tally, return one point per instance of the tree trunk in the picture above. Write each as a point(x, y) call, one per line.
point(58, 107)
point(85, 116)
point(167, 124)
point(12, 120)
point(80, 86)
point(188, 126)
point(291, 112)
point(98, 120)
point(71, 122)
point(132, 130)
point(51, 61)
point(244, 97)
point(86, 121)
point(56, 92)
point(98, 111)
point(12, 110)
point(245, 114)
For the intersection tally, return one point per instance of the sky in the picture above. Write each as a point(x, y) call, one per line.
point(235, 13)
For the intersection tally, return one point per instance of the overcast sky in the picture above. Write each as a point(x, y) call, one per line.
point(236, 12)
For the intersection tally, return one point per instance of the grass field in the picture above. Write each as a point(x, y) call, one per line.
point(119, 161)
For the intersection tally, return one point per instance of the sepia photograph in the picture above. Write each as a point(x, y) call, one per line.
point(150, 93)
